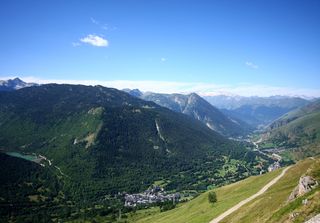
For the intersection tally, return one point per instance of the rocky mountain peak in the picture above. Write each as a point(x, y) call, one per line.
point(133, 92)
point(14, 84)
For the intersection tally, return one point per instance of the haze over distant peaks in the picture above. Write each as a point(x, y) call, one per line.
point(14, 84)
point(133, 92)
point(234, 102)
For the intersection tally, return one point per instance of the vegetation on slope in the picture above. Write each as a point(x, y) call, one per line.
point(299, 130)
point(304, 207)
point(200, 210)
point(28, 192)
point(105, 141)
point(272, 206)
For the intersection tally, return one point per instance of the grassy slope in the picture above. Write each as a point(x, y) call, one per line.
point(258, 210)
point(303, 212)
point(303, 132)
point(298, 130)
point(262, 208)
point(200, 210)
point(304, 127)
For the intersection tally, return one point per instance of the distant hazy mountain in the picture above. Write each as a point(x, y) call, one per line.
point(256, 111)
point(198, 108)
point(234, 102)
point(298, 130)
point(134, 92)
point(14, 84)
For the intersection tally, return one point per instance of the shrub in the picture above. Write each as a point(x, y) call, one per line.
point(212, 197)
point(168, 205)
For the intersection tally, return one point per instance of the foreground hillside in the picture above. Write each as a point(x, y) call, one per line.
point(273, 206)
point(269, 207)
point(105, 142)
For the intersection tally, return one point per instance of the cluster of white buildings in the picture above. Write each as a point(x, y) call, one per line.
point(153, 195)
point(274, 166)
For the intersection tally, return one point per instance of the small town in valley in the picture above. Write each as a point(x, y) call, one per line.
point(154, 194)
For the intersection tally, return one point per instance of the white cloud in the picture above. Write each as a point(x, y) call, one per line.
point(251, 65)
point(187, 87)
point(95, 40)
point(163, 59)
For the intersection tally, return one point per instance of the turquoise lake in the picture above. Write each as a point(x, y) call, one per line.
point(23, 156)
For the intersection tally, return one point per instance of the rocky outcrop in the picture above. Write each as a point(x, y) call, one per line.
point(306, 184)
point(315, 219)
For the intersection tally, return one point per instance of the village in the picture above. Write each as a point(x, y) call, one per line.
point(155, 194)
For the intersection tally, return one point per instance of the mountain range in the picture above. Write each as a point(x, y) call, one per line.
point(256, 111)
point(228, 115)
point(74, 151)
point(105, 141)
point(196, 107)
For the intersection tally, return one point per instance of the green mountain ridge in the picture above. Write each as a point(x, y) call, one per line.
point(105, 141)
point(298, 129)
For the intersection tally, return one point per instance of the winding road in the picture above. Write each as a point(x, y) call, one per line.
point(240, 204)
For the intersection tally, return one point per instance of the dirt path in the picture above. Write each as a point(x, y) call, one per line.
point(240, 204)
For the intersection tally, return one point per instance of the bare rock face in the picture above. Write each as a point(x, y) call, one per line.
point(306, 184)
point(315, 219)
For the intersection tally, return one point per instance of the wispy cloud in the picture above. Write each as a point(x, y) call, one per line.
point(163, 59)
point(252, 65)
point(102, 25)
point(75, 44)
point(95, 40)
point(94, 21)
point(187, 87)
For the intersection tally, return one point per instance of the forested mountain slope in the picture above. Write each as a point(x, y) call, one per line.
point(298, 129)
point(106, 141)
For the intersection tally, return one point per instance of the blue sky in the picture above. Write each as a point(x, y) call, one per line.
point(261, 47)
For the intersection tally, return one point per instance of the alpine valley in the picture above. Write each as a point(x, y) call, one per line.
point(168, 111)
point(99, 143)
point(76, 153)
